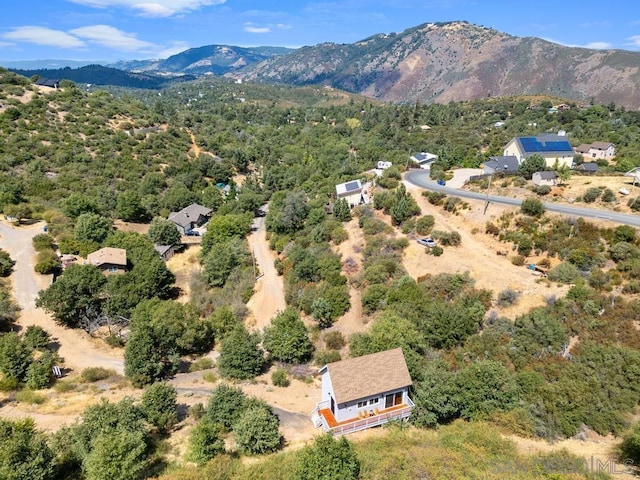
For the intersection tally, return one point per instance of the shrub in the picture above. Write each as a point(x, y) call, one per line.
point(94, 374)
point(9, 384)
point(436, 251)
point(447, 238)
point(519, 182)
point(542, 189)
point(339, 235)
point(323, 357)
point(525, 245)
point(634, 204)
point(435, 198)
point(608, 195)
point(225, 405)
point(197, 411)
point(532, 207)
point(424, 224)
point(491, 229)
point(29, 396)
point(280, 378)
point(203, 363)
point(564, 273)
point(43, 241)
point(507, 297)
point(592, 194)
point(6, 264)
point(240, 356)
point(205, 442)
point(287, 338)
point(518, 260)
point(328, 458)
point(334, 340)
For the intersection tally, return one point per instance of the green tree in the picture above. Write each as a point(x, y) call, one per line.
point(483, 388)
point(15, 356)
point(77, 291)
point(129, 207)
point(6, 264)
point(205, 442)
point(257, 431)
point(160, 406)
point(327, 458)
point(91, 227)
point(120, 455)
point(76, 204)
point(240, 356)
point(222, 228)
point(225, 405)
point(321, 311)
point(287, 338)
point(39, 373)
point(24, 453)
point(532, 164)
point(36, 338)
point(341, 210)
point(163, 232)
point(220, 261)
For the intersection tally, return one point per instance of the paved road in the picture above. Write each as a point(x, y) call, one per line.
point(421, 179)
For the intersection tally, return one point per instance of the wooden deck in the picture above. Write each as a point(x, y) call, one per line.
point(332, 423)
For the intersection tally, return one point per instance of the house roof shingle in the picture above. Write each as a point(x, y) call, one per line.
point(546, 175)
point(368, 375)
point(503, 163)
point(108, 255)
point(601, 145)
point(189, 214)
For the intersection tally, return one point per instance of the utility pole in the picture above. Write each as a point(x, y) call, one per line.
point(486, 204)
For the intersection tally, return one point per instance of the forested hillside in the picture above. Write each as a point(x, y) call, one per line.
point(80, 161)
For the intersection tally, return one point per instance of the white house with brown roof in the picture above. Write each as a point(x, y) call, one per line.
point(363, 392)
point(112, 261)
point(597, 150)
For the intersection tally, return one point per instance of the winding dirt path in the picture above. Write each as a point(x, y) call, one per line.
point(268, 298)
point(76, 347)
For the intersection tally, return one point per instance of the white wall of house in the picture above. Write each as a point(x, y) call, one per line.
point(538, 180)
point(354, 199)
point(350, 410)
point(554, 161)
point(511, 149)
point(607, 154)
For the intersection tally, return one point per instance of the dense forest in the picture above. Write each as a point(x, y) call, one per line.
point(80, 161)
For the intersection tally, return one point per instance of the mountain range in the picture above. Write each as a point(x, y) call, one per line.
point(433, 62)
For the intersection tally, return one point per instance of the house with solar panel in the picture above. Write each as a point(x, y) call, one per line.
point(363, 392)
point(424, 159)
point(555, 149)
point(352, 192)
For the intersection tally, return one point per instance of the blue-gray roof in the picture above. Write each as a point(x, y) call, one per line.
point(503, 163)
point(545, 144)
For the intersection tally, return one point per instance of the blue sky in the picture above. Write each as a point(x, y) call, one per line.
point(139, 29)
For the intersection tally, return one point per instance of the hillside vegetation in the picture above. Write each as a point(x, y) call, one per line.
point(83, 160)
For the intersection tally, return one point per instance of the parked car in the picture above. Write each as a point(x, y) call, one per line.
point(192, 233)
point(427, 242)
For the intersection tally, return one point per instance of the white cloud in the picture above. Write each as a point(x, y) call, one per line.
point(635, 41)
point(284, 26)
point(591, 45)
point(599, 45)
point(6, 44)
point(154, 10)
point(176, 47)
point(111, 37)
point(252, 28)
point(157, 8)
point(44, 36)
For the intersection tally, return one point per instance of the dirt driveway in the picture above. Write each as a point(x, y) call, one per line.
point(77, 348)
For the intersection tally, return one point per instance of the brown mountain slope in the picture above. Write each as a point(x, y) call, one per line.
point(460, 61)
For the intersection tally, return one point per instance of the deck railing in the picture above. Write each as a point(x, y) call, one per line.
point(361, 424)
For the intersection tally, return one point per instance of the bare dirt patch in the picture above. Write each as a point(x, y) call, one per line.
point(183, 265)
point(477, 255)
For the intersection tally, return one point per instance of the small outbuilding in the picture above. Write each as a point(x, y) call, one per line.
point(544, 178)
point(364, 392)
point(424, 159)
point(165, 251)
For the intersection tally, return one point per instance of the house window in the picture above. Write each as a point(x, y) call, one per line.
point(373, 401)
point(393, 399)
point(362, 404)
point(113, 269)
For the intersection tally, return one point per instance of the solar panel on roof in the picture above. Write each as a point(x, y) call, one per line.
point(352, 186)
